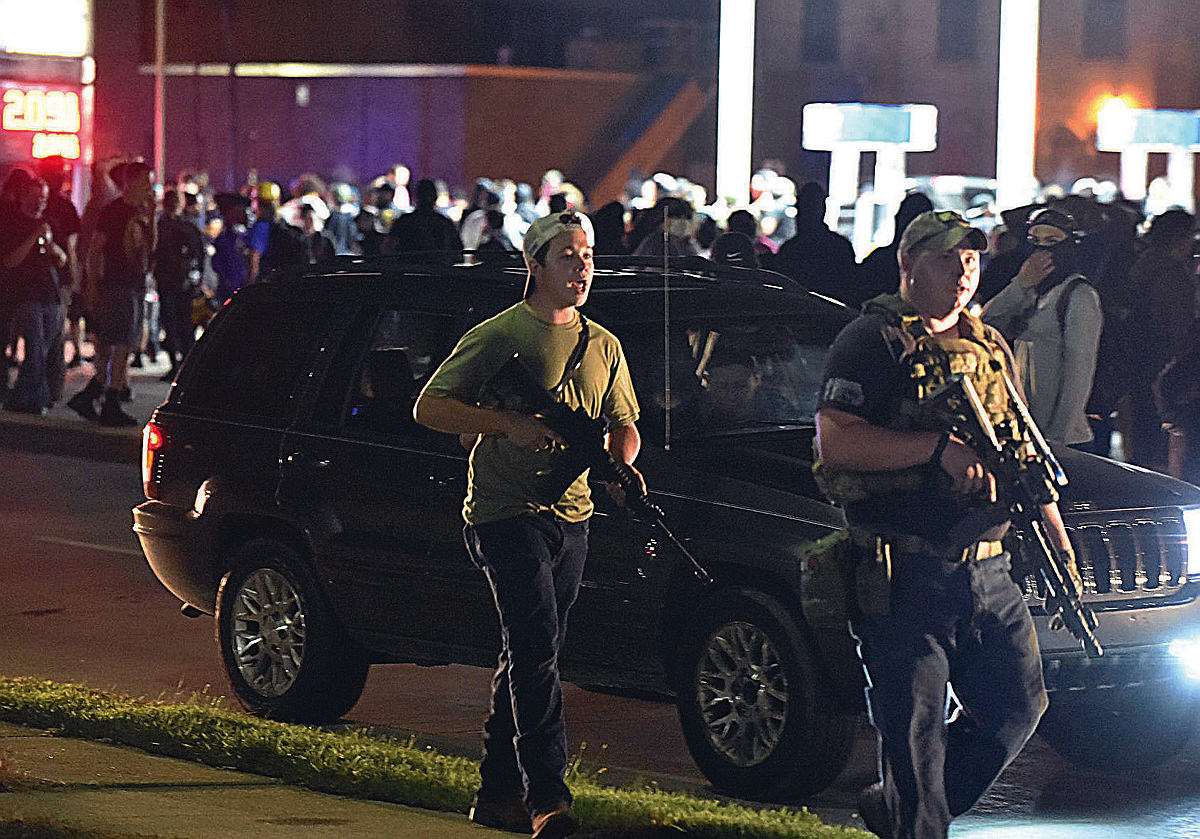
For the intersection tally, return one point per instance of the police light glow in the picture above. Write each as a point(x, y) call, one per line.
point(49, 118)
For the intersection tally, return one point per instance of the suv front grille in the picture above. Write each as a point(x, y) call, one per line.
point(1138, 557)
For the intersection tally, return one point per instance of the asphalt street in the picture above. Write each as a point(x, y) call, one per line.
point(78, 603)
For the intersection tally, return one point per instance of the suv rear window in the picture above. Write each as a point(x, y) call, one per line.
point(376, 375)
point(728, 374)
point(250, 366)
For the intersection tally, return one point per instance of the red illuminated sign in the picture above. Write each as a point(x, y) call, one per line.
point(50, 119)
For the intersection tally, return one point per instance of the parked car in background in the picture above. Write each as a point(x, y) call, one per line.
point(291, 496)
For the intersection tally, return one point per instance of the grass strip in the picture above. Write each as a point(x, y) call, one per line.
point(359, 766)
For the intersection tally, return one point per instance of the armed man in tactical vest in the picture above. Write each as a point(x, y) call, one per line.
point(934, 602)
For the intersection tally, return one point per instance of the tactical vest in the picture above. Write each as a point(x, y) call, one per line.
point(929, 361)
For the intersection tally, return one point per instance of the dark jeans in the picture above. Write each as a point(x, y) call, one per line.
point(38, 324)
point(966, 624)
point(534, 564)
point(177, 324)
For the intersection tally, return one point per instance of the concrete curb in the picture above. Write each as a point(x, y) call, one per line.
point(91, 786)
point(63, 432)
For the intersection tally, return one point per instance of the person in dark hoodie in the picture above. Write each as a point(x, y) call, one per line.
point(879, 272)
point(816, 257)
point(1162, 296)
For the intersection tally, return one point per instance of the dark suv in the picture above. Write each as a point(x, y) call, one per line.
point(291, 495)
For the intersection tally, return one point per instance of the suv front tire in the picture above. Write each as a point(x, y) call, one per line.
point(285, 655)
point(751, 703)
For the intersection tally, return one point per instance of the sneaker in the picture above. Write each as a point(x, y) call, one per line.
point(556, 823)
point(509, 814)
point(84, 404)
point(137, 362)
point(872, 809)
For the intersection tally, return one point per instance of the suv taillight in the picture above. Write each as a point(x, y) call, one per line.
point(152, 443)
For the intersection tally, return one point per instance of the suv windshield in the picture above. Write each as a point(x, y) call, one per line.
point(726, 375)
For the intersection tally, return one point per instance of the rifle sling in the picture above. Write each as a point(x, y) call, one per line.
point(575, 359)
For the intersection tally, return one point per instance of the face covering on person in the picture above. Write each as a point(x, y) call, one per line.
point(1063, 255)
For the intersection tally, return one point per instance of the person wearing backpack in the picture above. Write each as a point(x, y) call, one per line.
point(273, 242)
point(1051, 316)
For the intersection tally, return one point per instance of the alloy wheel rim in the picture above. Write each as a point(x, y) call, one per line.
point(742, 694)
point(268, 632)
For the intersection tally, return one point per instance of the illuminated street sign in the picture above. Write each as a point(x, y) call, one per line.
point(846, 130)
point(38, 121)
point(45, 27)
point(868, 127)
point(1137, 132)
point(1119, 127)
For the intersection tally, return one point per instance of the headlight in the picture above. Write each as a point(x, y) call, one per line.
point(1191, 526)
point(1187, 651)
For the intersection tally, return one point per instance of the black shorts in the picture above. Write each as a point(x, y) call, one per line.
point(115, 319)
point(77, 308)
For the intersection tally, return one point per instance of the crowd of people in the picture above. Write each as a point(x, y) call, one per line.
point(1098, 302)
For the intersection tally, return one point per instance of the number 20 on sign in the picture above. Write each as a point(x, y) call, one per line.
point(55, 111)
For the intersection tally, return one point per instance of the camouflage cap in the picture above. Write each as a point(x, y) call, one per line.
point(941, 231)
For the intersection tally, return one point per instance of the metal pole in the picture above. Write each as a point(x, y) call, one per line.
point(666, 330)
point(1016, 103)
point(735, 100)
point(231, 174)
point(160, 51)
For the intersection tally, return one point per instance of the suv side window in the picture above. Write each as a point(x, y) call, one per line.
point(250, 368)
point(377, 375)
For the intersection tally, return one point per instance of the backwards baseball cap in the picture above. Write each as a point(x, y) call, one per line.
point(941, 231)
point(546, 228)
point(1053, 218)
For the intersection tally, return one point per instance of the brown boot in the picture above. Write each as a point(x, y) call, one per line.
point(556, 823)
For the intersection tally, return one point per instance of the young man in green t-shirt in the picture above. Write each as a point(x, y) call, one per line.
point(525, 532)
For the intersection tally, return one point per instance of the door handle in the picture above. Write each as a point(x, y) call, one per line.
point(307, 461)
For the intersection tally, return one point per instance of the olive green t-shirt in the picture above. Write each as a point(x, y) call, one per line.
point(504, 480)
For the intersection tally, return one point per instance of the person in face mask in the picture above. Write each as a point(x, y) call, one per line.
point(680, 229)
point(1051, 316)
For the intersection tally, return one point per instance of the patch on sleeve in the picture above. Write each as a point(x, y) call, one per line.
point(843, 392)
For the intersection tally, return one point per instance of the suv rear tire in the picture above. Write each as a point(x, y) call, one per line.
point(284, 654)
point(750, 702)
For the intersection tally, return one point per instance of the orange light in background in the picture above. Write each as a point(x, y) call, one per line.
point(1088, 115)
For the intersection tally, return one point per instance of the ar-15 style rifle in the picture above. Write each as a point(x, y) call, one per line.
point(1029, 476)
point(519, 391)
